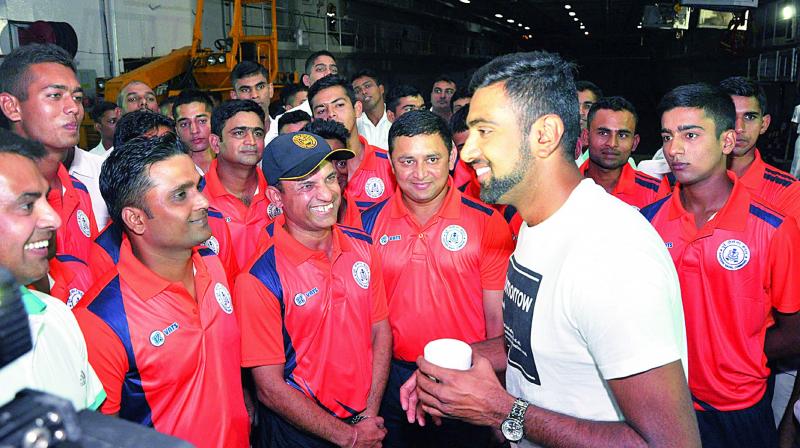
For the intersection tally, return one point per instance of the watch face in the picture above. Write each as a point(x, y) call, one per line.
point(512, 430)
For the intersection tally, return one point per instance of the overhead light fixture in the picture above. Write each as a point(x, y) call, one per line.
point(583, 27)
point(510, 20)
point(527, 28)
point(572, 13)
point(519, 24)
point(530, 36)
point(586, 33)
point(638, 27)
point(464, 1)
point(788, 12)
point(498, 15)
point(567, 6)
point(575, 19)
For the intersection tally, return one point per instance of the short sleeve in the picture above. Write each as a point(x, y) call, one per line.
point(781, 281)
point(260, 321)
point(496, 247)
point(107, 358)
point(380, 309)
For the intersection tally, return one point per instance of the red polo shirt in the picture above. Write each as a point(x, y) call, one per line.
point(435, 273)
point(733, 272)
point(635, 187)
point(71, 278)
point(314, 315)
point(373, 180)
point(104, 253)
point(778, 188)
point(465, 179)
point(74, 207)
point(245, 222)
point(164, 356)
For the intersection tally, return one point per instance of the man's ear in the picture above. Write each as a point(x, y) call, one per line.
point(451, 163)
point(134, 219)
point(97, 127)
point(9, 105)
point(233, 95)
point(214, 141)
point(765, 122)
point(635, 142)
point(728, 140)
point(359, 108)
point(306, 80)
point(275, 196)
point(390, 115)
point(545, 136)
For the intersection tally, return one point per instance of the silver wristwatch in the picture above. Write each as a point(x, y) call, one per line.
point(513, 426)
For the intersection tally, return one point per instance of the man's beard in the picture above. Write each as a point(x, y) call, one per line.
point(498, 186)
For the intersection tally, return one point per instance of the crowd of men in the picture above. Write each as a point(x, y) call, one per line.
point(234, 278)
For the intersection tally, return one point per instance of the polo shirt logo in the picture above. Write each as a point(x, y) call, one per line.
point(273, 211)
point(374, 187)
point(83, 223)
point(223, 298)
point(454, 238)
point(158, 337)
point(75, 295)
point(733, 255)
point(361, 274)
point(302, 298)
point(385, 239)
point(212, 244)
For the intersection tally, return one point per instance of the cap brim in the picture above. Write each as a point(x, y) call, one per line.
point(308, 166)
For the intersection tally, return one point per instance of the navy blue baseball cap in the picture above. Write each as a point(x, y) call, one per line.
point(295, 155)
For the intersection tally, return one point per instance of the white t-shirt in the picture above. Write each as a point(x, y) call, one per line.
point(86, 168)
point(375, 135)
point(58, 363)
point(591, 295)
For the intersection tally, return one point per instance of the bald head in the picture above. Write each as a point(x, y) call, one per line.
point(137, 95)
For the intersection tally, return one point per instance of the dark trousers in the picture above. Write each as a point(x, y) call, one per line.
point(753, 427)
point(272, 431)
point(452, 433)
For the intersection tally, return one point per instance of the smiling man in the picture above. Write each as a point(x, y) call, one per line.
point(160, 325)
point(575, 376)
point(42, 99)
point(612, 138)
point(444, 259)
point(312, 307)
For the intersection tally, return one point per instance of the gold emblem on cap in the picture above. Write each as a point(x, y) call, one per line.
point(305, 141)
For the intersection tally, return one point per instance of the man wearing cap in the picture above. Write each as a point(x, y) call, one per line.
point(312, 308)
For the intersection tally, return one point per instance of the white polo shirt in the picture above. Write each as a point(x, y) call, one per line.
point(58, 363)
point(376, 135)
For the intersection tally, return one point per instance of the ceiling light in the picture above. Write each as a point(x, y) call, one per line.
point(583, 27)
point(527, 28)
point(464, 1)
point(586, 33)
point(519, 24)
point(510, 20)
point(572, 13)
point(787, 12)
point(567, 6)
point(530, 36)
point(498, 15)
point(575, 19)
point(638, 27)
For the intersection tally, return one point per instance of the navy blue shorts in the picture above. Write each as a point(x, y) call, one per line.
point(753, 427)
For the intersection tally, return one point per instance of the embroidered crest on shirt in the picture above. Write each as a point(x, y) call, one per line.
point(223, 298)
point(302, 298)
point(454, 238)
point(158, 337)
point(75, 295)
point(733, 255)
point(305, 141)
point(273, 211)
point(374, 187)
point(385, 239)
point(361, 274)
point(83, 223)
point(212, 244)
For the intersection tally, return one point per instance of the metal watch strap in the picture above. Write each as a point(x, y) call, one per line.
point(518, 410)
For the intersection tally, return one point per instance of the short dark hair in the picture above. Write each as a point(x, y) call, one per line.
point(292, 117)
point(400, 91)
point(125, 178)
point(11, 143)
point(328, 129)
point(444, 78)
point(714, 102)
point(458, 121)
point(137, 123)
point(582, 85)
point(247, 68)
point(420, 122)
point(741, 86)
point(289, 92)
point(461, 92)
point(228, 109)
point(14, 77)
point(615, 103)
point(314, 56)
point(366, 73)
point(191, 96)
point(537, 83)
point(331, 81)
point(100, 108)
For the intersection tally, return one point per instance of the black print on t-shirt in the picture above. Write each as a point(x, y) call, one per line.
point(519, 300)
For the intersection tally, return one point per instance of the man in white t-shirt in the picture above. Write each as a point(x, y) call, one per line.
point(595, 349)
point(58, 363)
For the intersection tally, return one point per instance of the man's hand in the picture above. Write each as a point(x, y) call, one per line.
point(410, 403)
point(474, 396)
point(369, 433)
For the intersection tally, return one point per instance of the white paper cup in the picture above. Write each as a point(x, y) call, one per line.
point(449, 353)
